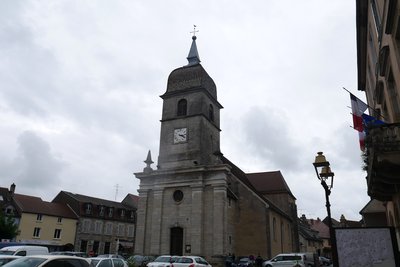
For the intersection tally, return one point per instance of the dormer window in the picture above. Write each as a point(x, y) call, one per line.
point(211, 112)
point(101, 211)
point(88, 208)
point(110, 212)
point(182, 107)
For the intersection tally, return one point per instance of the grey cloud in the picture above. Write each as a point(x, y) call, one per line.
point(268, 136)
point(35, 166)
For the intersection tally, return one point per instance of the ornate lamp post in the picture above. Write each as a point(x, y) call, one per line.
point(324, 174)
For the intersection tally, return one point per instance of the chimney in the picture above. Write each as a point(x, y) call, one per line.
point(12, 189)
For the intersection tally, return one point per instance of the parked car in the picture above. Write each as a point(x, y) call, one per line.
point(163, 261)
point(245, 262)
point(325, 261)
point(70, 253)
point(191, 261)
point(110, 256)
point(107, 262)
point(140, 260)
point(24, 250)
point(48, 261)
point(7, 258)
point(288, 259)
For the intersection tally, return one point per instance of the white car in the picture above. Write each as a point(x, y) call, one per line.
point(163, 261)
point(286, 260)
point(48, 261)
point(191, 261)
point(7, 258)
point(107, 262)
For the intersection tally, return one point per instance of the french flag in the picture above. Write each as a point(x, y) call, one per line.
point(357, 107)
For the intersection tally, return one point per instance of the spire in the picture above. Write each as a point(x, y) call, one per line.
point(193, 56)
point(148, 162)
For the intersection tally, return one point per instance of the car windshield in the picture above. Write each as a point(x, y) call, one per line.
point(26, 262)
point(291, 258)
point(94, 262)
point(184, 260)
point(163, 259)
point(6, 252)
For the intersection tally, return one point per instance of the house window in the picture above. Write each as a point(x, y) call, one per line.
point(182, 107)
point(131, 229)
point(101, 211)
point(121, 230)
point(86, 226)
point(39, 217)
point(59, 220)
point(98, 227)
point(57, 233)
point(88, 209)
point(108, 229)
point(9, 210)
point(211, 112)
point(132, 216)
point(122, 213)
point(36, 232)
point(377, 18)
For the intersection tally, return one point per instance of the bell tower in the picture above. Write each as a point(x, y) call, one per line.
point(190, 123)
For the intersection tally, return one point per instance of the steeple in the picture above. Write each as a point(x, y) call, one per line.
point(193, 56)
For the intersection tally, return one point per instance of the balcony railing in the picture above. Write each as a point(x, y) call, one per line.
point(383, 161)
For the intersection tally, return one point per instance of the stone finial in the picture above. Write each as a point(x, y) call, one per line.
point(148, 162)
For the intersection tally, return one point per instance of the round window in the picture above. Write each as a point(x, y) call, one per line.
point(178, 195)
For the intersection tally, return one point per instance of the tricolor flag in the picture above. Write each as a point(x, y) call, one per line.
point(357, 107)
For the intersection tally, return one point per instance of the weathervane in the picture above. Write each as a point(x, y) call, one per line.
point(194, 30)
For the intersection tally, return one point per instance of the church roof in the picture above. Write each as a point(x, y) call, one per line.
point(269, 182)
point(191, 76)
point(193, 56)
point(373, 206)
point(243, 177)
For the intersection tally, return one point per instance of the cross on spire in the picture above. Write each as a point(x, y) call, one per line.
point(194, 30)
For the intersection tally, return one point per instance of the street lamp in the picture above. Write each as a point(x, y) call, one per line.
point(324, 174)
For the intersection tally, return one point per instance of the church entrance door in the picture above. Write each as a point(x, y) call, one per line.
point(176, 247)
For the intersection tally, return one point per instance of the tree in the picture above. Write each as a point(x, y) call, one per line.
point(8, 229)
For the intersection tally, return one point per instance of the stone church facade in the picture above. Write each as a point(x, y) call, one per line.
point(197, 202)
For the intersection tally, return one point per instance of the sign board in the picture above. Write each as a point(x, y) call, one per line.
point(367, 247)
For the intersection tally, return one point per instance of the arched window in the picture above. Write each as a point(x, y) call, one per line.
point(182, 107)
point(211, 112)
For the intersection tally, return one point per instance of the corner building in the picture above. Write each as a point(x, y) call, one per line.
point(197, 202)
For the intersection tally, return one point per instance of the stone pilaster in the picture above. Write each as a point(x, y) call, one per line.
point(156, 222)
point(219, 216)
point(197, 221)
point(141, 214)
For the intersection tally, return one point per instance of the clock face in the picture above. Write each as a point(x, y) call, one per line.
point(180, 135)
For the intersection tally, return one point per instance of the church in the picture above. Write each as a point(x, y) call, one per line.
point(197, 202)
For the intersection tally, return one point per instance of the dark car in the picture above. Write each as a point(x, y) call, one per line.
point(325, 261)
point(140, 260)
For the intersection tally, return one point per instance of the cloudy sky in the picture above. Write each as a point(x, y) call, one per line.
point(80, 83)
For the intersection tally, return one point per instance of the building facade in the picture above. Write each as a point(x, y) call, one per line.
point(378, 60)
point(197, 202)
point(104, 226)
point(41, 222)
